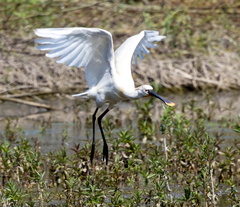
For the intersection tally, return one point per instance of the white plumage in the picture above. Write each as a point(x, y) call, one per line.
point(108, 74)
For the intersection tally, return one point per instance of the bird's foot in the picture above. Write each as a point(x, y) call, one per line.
point(105, 153)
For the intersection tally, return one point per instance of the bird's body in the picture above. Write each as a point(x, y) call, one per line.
point(108, 74)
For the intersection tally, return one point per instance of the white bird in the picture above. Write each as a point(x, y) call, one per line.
point(108, 73)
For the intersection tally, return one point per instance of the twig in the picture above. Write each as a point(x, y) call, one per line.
point(31, 103)
point(49, 13)
point(165, 148)
point(166, 154)
point(186, 75)
point(29, 94)
point(16, 88)
point(213, 191)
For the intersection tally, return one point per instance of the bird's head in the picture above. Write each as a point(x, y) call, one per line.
point(144, 90)
point(147, 90)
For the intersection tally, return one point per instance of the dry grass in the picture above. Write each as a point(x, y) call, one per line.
point(200, 72)
point(200, 52)
point(30, 72)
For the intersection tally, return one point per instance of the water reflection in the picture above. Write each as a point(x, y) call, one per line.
point(72, 123)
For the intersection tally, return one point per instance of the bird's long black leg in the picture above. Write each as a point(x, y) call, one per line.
point(105, 146)
point(93, 140)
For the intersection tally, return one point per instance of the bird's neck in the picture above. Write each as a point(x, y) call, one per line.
point(133, 94)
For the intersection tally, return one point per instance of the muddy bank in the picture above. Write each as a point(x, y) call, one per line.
point(25, 69)
point(68, 109)
point(201, 50)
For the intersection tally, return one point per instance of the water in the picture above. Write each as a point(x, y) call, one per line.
point(72, 123)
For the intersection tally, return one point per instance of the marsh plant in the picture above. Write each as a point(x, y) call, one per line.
point(182, 163)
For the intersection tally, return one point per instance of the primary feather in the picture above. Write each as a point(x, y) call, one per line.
point(92, 48)
point(134, 47)
point(108, 74)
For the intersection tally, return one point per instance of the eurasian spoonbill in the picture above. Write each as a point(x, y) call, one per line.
point(108, 73)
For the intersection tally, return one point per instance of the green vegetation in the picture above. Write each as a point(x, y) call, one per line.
point(174, 164)
point(201, 49)
point(184, 159)
point(191, 26)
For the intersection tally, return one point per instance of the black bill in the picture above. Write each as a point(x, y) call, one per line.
point(169, 103)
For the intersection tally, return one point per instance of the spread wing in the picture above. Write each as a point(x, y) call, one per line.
point(91, 48)
point(134, 47)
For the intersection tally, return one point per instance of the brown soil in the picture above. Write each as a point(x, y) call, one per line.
point(25, 69)
point(176, 64)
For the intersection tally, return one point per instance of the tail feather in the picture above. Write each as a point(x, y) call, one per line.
point(81, 94)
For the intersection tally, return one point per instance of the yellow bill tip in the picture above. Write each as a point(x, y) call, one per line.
point(170, 104)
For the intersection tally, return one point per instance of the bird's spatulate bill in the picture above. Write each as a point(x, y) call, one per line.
point(169, 103)
point(79, 47)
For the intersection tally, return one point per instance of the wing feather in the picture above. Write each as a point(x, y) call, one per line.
point(71, 55)
point(91, 48)
point(146, 42)
point(56, 45)
point(132, 48)
point(64, 50)
point(76, 60)
point(50, 40)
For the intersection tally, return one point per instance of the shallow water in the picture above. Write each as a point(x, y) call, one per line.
point(72, 123)
point(51, 130)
